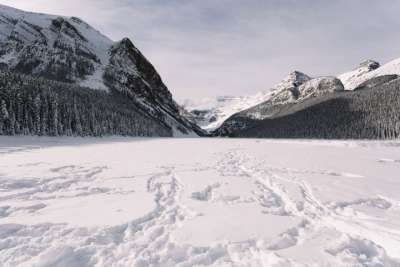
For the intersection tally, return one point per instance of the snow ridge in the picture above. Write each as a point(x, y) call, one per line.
point(368, 70)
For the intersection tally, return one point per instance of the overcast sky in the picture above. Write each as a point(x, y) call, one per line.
point(205, 48)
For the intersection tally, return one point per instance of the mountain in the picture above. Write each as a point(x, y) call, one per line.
point(370, 113)
point(286, 92)
point(70, 51)
point(210, 113)
point(323, 108)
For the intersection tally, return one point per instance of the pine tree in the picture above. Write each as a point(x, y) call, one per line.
point(36, 115)
point(4, 116)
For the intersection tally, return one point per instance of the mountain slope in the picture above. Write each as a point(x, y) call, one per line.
point(71, 51)
point(37, 106)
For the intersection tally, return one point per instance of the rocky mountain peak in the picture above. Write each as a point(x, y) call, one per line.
point(369, 64)
point(287, 89)
point(319, 86)
point(293, 80)
point(129, 70)
point(297, 78)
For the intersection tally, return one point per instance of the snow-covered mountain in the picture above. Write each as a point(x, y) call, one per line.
point(322, 107)
point(301, 89)
point(293, 93)
point(367, 70)
point(211, 113)
point(69, 50)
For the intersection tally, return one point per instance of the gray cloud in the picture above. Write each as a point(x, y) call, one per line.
point(219, 47)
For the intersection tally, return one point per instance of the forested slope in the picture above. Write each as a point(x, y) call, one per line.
point(369, 113)
point(42, 107)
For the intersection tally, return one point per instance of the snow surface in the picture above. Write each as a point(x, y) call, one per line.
point(352, 79)
point(198, 202)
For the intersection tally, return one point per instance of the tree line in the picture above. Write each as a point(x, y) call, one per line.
point(35, 106)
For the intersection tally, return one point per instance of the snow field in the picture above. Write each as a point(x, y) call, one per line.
point(198, 202)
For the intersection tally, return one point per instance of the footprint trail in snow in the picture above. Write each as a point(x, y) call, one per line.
point(232, 203)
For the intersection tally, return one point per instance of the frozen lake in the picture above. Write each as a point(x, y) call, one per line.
point(198, 202)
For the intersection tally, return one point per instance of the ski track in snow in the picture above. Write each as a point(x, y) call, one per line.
point(339, 233)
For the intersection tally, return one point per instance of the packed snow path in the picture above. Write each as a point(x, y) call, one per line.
point(198, 202)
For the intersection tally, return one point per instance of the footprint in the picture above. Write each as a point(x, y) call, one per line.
point(360, 252)
point(344, 174)
point(206, 194)
point(378, 203)
point(389, 160)
point(291, 237)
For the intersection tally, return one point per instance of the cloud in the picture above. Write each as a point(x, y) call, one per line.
point(231, 47)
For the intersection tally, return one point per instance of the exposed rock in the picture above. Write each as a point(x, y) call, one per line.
point(318, 86)
point(287, 89)
point(370, 64)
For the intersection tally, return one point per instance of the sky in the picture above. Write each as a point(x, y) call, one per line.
point(208, 48)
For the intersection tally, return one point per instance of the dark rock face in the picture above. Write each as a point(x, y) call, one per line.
point(129, 71)
point(380, 80)
point(61, 25)
point(370, 64)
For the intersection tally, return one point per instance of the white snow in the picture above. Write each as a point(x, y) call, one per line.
point(95, 81)
point(198, 202)
point(354, 78)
